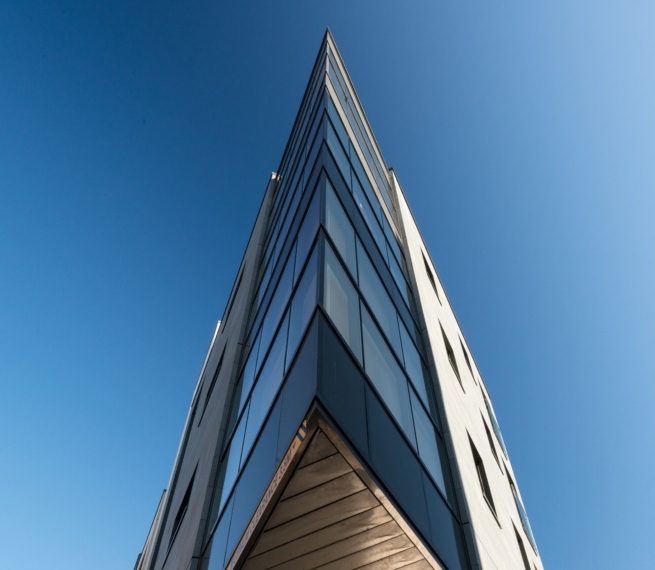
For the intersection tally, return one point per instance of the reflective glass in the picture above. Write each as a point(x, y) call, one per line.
point(216, 497)
point(249, 371)
point(302, 306)
point(393, 241)
point(336, 122)
point(298, 391)
point(340, 229)
point(444, 528)
point(234, 458)
point(290, 214)
point(366, 187)
point(255, 479)
point(311, 157)
point(219, 539)
point(306, 233)
point(277, 304)
point(377, 298)
point(339, 154)
point(369, 216)
point(399, 278)
point(427, 442)
point(395, 463)
point(341, 302)
point(387, 377)
point(266, 387)
point(414, 366)
point(341, 386)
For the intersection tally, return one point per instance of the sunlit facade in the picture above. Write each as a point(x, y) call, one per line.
point(339, 420)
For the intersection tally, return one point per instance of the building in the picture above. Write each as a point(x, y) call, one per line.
point(339, 420)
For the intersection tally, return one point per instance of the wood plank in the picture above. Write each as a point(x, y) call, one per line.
point(363, 541)
point(316, 474)
point(319, 448)
point(371, 554)
point(402, 559)
point(316, 520)
point(315, 498)
point(319, 539)
point(422, 564)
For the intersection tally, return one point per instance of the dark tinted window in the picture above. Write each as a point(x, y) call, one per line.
point(377, 298)
point(341, 301)
point(445, 531)
point(341, 386)
point(386, 375)
point(395, 463)
point(302, 306)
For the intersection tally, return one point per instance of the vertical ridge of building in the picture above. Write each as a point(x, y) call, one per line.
point(339, 420)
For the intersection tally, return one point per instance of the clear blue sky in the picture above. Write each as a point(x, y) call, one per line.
point(136, 140)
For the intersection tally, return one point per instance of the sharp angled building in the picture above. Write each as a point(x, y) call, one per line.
point(339, 420)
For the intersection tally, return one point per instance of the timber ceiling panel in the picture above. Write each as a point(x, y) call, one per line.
point(328, 518)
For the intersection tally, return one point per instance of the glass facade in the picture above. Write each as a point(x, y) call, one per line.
point(326, 335)
point(332, 279)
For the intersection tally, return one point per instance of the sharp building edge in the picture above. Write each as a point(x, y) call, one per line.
point(339, 420)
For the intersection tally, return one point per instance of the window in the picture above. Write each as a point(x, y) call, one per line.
point(415, 368)
point(302, 306)
point(213, 383)
point(428, 448)
point(431, 277)
point(522, 514)
point(340, 229)
point(181, 511)
point(341, 302)
point(451, 357)
point(387, 376)
point(482, 476)
point(494, 422)
point(524, 555)
point(377, 298)
point(468, 361)
point(491, 440)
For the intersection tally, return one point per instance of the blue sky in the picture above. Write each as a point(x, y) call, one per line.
point(136, 140)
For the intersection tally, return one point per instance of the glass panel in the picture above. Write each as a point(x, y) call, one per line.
point(341, 386)
point(266, 387)
point(444, 529)
point(414, 366)
point(277, 305)
point(234, 459)
point(393, 241)
point(306, 234)
point(399, 278)
point(336, 122)
point(298, 391)
point(427, 442)
point(311, 156)
point(302, 306)
point(219, 539)
point(369, 217)
point(216, 497)
point(367, 189)
point(290, 215)
point(387, 377)
point(256, 476)
point(341, 302)
point(249, 371)
point(339, 154)
point(395, 463)
point(340, 229)
point(377, 298)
